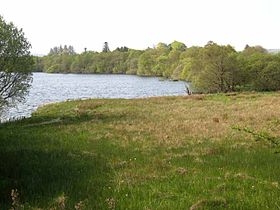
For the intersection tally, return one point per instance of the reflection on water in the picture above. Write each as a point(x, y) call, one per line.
point(48, 88)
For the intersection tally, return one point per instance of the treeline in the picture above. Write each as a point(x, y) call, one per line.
point(212, 68)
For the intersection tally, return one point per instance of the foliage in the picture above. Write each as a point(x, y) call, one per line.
point(212, 68)
point(106, 47)
point(122, 49)
point(68, 50)
point(253, 50)
point(262, 71)
point(15, 64)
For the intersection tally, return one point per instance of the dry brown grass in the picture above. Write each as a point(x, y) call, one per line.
point(175, 122)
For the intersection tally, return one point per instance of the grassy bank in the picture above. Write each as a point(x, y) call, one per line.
point(157, 153)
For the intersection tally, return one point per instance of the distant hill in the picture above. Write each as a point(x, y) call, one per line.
point(274, 51)
point(38, 54)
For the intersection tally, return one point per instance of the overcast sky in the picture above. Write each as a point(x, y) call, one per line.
point(143, 23)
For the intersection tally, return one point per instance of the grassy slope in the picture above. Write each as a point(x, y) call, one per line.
point(157, 153)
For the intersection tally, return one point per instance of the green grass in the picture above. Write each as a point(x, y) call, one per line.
point(156, 153)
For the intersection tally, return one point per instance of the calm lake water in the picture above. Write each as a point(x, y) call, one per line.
point(47, 88)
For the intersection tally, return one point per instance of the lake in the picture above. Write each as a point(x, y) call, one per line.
point(47, 88)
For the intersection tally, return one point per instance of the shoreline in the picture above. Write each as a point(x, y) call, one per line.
point(80, 73)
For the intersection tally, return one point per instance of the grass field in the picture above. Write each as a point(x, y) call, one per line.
point(157, 153)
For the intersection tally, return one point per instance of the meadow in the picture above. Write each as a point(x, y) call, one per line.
point(211, 151)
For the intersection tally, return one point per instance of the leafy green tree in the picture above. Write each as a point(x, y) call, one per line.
point(66, 62)
point(106, 47)
point(163, 47)
point(118, 62)
point(147, 62)
point(214, 68)
point(122, 49)
point(172, 67)
point(187, 60)
point(253, 50)
point(160, 56)
point(178, 46)
point(16, 64)
point(75, 65)
point(173, 60)
point(66, 50)
point(261, 71)
point(269, 77)
point(38, 64)
point(132, 61)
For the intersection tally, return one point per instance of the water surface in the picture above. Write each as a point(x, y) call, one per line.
point(47, 88)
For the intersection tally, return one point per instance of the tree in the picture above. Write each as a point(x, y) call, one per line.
point(122, 49)
point(261, 70)
point(255, 49)
point(147, 62)
point(213, 69)
point(269, 77)
point(106, 47)
point(66, 50)
point(178, 46)
point(16, 64)
point(133, 61)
